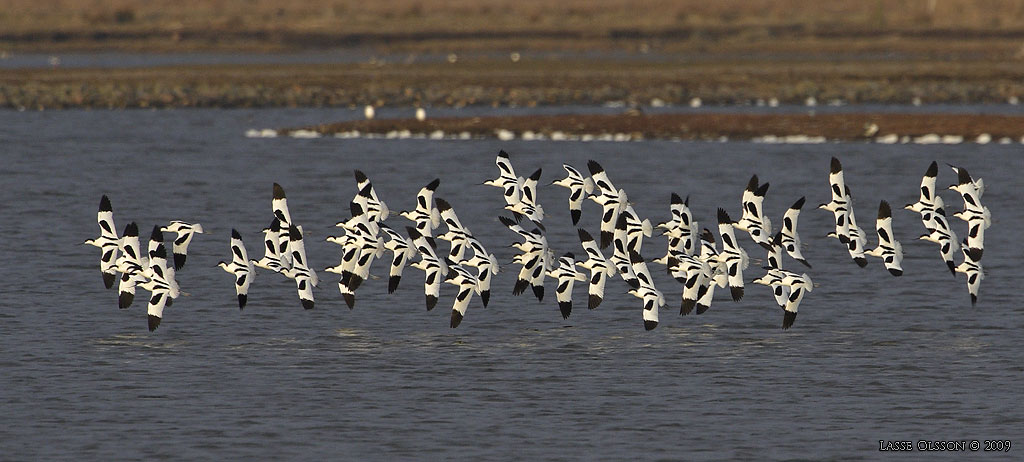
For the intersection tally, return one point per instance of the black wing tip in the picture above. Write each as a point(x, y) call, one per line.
point(242, 299)
point(933, 170)
point(723, 217)
point(108, 279)
point(594, 301)
point(635, 257)
point(131, 229)
point(294, 234)
point(835, 166)
point(974, 300)
point(570, 255)
point(365, 192)
point(701, 308)
point(393, 283)
point(278, 191)
point(413, 233)
point(606, 238)
point(434, 184)
point(350, 300)
point(355, 209)
point(799, 203)
point(952, 267)
point(307, 304)
point(235, 234)
point(752, 184)
point(456, 318)
point(650, 325)
point(575, 214)
point(431, 302)
point(502, 153)
point(354, 282)
point(485, 296)
point(844, 239)
point(154, 322)
point(536, 175)
point(160, 252)
point(156, 235)
point(360, 176)
point(125, 299)
point(762, 190)
point(861, 261)
point(962, 176)
point(442, 205)
point(179, 261)
point(565, 308)
point(594, 167)
point(687, 306)
point(804, 262)
point(787, 319)
point(706, 235)
point(506, 220)
point(975, 254)
point(538, 291)
point(634, 283)
point(896, 272)
point(884, 210)
point(737, 293)
point(676, 199)
point(105, 204)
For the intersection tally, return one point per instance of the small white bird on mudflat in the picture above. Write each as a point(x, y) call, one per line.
point(107, 242)
point(240, 267)
point(888, 249)
point(579, 188)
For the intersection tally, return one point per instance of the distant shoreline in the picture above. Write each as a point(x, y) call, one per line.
point(791, 128)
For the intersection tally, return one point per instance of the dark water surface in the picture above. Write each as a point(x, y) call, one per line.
point(870, 358)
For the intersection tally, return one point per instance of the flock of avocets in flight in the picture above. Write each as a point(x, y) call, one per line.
point(693, 257)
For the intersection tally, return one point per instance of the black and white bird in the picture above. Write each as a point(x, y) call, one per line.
point(976, 215)
point(156, 239)
point(789, 238)
point(681, 229)
point(620, 253)
point(566, 276)
point(457, 234)
point(130, 264)
point(365, 232)
point(798, 284)
point(509, 183)
point(526, 203)
point(840, 202)
point(280, 207)
point(467, 284)
point(889, 249)
point(376, 209)
point(401, 251)
point(600, 269)
point(753, 220)
point(979, 184)
point(535, 259)
point(349, 257)
point(611, 200)
point(944, 236)
point(636, 228)
point(486, 265)
point(185, 231)
point(579, 188)
point(929, 200)
point(652, 300)
point(434, 269)
point(717, 272)
point(240, 267)
point(107, 242)
point(159, 286)
point(732, 255)
point(425, 215)
point(856, 239)
point(971, 267)
point(271, 240)
point(774, 261)
point(304, 276)
point(692, 272)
